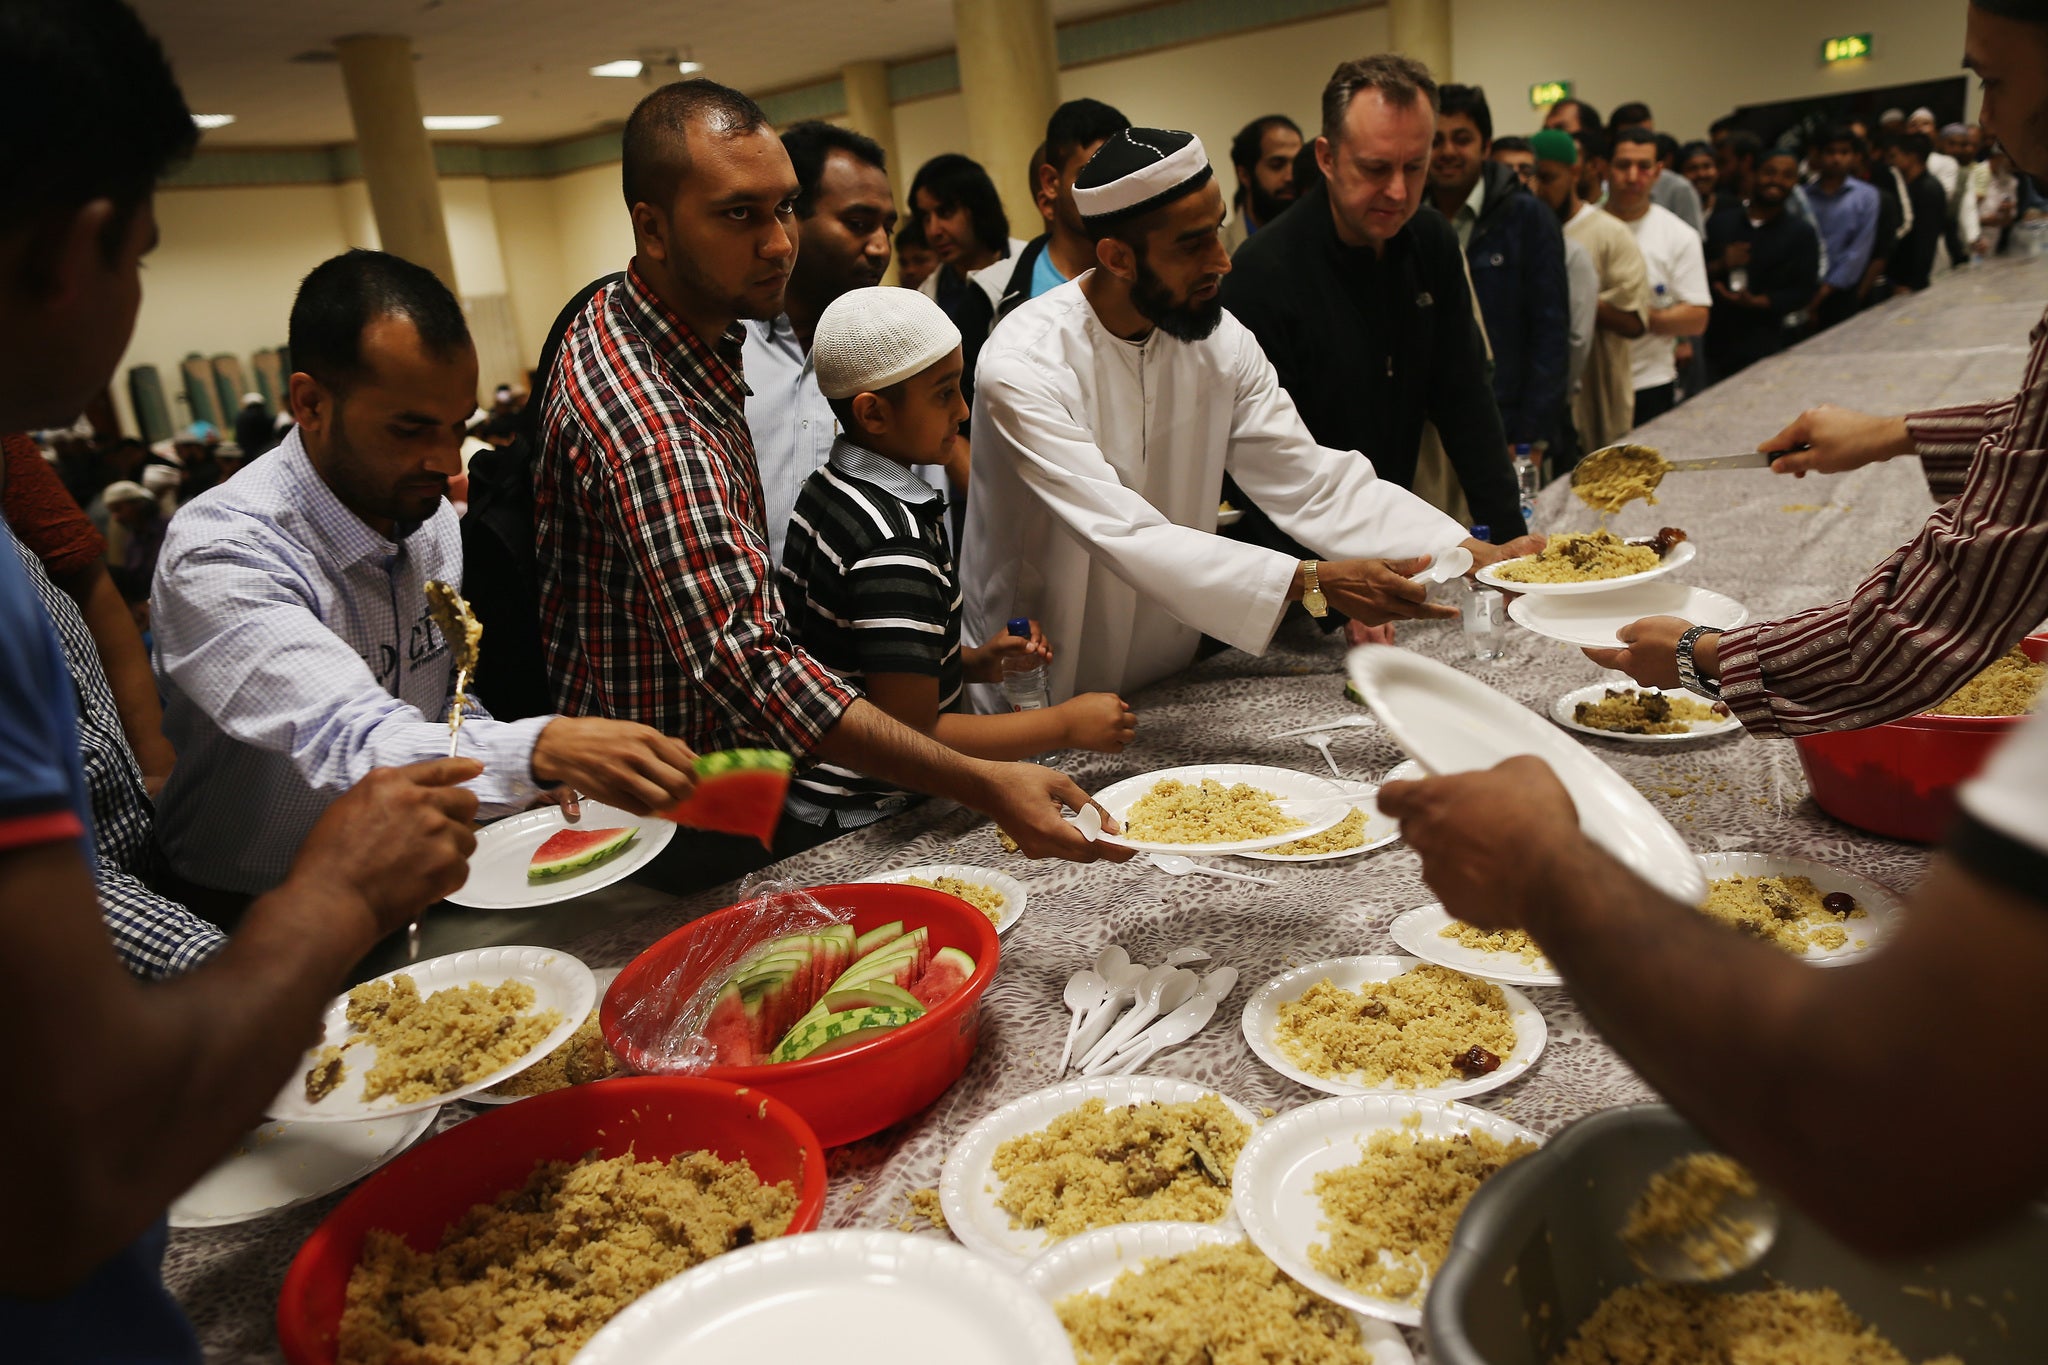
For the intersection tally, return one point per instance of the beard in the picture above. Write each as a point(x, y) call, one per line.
point(1181, 319)
point(346, 475)
point(1265, 205)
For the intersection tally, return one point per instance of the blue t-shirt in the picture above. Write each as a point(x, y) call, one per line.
point(122, 1311)
point(1045, 276)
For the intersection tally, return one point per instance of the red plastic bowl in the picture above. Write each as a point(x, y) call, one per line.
point(1900, 778)
point(863, 1088)
point(422, 1192)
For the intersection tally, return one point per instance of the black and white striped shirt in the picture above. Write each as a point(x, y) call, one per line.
point(869, 587)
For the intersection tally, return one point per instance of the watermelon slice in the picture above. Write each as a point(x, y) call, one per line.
point(840, 1029)
point(876, 938)
point(574, 849)
point(947, 973)
point(731, 1028)
point(739, 791)
point(872, 994)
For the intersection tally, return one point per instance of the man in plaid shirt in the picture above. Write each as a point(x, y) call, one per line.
point(657, 571)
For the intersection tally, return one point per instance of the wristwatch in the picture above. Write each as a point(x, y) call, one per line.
point(1688, 671)
point(1311, 592)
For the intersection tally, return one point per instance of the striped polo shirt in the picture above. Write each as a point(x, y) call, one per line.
point(869, 587)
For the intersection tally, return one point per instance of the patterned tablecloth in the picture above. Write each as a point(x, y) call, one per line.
point(1771, 543)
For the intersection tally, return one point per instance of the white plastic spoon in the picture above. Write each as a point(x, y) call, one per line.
point(1452, 563)
point(1085, 990)
point(1123, 985)
point(1174, 865)
point(1172, 1027)
point(1165, 990)
point(1183, 1024)
point(1335, 723)
point(1187, 957)
point(1321, 744)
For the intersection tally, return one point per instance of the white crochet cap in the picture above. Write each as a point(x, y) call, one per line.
point(868, 339)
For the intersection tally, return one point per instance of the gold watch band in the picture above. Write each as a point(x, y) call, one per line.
point(1312, 598)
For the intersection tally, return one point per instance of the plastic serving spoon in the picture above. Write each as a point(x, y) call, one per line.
point(1085, 990)
point(1164, 990)
point(1174, 865)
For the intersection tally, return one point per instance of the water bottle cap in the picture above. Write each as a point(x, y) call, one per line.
point(1524, 448)
point(1020, 626)
point(1482, 532)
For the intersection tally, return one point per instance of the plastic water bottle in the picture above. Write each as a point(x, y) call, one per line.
point(1528, 478)
point(1483, 613)
point(1024, 683)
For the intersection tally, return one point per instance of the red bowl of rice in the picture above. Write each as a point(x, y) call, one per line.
point(1900, 779)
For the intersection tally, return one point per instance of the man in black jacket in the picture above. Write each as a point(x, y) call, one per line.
point(1362, 306)
point(1515, 249)
point(1761, 263)
point(1912, 261)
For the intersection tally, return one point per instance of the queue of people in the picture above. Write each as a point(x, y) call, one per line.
point(744, 453)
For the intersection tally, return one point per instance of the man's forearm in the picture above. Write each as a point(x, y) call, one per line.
point(142, 1088)
point(1679, 320)
point(870, 742)
point(1617, 320)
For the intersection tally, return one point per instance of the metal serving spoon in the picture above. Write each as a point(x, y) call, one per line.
point(463, 632)
point(1753, 1217)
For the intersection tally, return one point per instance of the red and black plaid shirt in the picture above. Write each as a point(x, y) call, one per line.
point(657, 583)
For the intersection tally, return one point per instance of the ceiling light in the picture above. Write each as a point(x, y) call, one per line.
point(625, 70)
point(460, 123)
point(689, 68)
point(213, 120)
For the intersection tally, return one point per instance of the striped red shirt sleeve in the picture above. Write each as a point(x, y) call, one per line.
point(1964, 590)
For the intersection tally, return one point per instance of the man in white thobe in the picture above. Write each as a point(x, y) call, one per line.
point(1106, 413)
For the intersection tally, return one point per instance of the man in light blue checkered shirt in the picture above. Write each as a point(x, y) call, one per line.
point(293, 642)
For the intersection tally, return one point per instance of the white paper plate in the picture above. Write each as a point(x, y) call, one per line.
point(1379, 829)
point(1012, 890)
point(1407, 770)
point(1681, 555)
point(967, 1186)
point(1420, 931)
point(1285, 783)
point(601, 980)
point(1090, 1263)
point(1453, 723)
point(1277, 1173)
point(559, 982)
point(1882, 908)
point(861, 1295)
point(1566, 707)
point(1262, 1020)
point(283, 1165)
point(504, 850)
point(1593, 622)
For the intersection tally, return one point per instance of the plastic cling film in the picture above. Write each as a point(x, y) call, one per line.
point(727, 991)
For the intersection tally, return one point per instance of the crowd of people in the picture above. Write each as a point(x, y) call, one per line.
point(756, 498)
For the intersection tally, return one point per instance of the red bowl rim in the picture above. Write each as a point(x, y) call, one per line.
point(966, 998)
point(1955, 725)
point(293, 1333)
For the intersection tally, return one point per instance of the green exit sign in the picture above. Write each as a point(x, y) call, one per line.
point(1549, 92)
point(1850, 47)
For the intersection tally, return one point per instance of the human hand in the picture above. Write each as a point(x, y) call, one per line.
point(1484, 554)
point(1101, 721)
point(1376, 591)
point(1649, 652)
point(631, 766)
point(1838, 440)
point(397, 841)
point(1527, 816)
point(1357, 633)
point(1028, 802)
point(984, 663)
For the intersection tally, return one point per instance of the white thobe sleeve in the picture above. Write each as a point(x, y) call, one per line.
point(1223, 588)
point(1330, 500)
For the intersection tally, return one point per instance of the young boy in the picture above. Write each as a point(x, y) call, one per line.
point(868, 582)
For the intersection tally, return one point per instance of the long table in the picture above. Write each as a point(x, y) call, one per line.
point(1771, 543)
